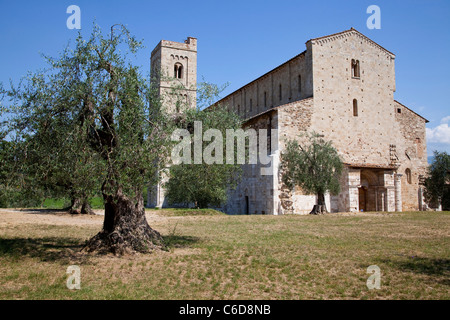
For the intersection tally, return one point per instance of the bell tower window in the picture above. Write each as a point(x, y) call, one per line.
point(178, 71)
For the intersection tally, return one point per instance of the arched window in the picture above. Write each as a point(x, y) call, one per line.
point(178, 71)
point(408, 175)
point(355, 69)
point(355, 107)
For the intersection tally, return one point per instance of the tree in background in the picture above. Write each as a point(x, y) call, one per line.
point(437, 182)
point(314, 166)
point(206, 184)
point(88, 114)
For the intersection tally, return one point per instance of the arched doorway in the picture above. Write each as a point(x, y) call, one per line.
point(368, 190)
point(362, 199)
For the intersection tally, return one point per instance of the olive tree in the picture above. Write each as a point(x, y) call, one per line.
point(204, 184)
point(92, 114)
point(314, 166)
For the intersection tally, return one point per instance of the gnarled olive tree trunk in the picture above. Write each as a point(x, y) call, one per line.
point(125, 227)
point(80, 206)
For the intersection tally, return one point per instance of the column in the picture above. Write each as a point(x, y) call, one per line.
point(354, 182)
point(398, 192)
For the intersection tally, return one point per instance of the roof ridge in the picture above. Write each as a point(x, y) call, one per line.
point(411, 110)
point(260, 77)
point(359, 33)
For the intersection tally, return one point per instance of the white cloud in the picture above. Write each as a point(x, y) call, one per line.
point(441, 133)
point(446, 119)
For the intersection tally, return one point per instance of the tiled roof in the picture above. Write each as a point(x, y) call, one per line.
point(370, 166)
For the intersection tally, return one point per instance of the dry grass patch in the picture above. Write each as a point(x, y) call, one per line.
point(232, 257)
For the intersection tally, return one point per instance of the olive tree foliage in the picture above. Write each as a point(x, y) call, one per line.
point(12, 181)
point(204, 184)
point(208, 93)
point(90, 122)
point(437, 182)
point(314, 166)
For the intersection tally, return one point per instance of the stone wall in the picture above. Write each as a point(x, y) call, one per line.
point(411, 153)
point(382, 142)
point(255, 192)
point(294, 119)
point(163, 59)
point(365, 137)
point(289, 82)
point(376, 136)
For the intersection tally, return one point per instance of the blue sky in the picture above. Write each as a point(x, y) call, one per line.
point(239, 41)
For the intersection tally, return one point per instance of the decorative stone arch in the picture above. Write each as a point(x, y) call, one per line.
point(178, 70)
point(370, 176)
point(408, 176)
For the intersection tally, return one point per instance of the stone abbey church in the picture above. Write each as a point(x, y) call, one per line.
point(342, 87)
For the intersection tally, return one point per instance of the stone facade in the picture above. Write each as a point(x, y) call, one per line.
point(412, 155)
point(381, 142)
point(342, 87)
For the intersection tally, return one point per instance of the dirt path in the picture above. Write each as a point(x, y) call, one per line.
point(55, 217)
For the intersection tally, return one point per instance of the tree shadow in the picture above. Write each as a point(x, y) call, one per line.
point(65, 250)
point(45, 211)
point(176, 241)
point(433, 267)
point(52, 249)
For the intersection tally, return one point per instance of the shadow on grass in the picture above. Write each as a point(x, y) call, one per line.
point(42, 211)
point(53, 249)
point(176, 241)
point(66, 250)
point(439, 268)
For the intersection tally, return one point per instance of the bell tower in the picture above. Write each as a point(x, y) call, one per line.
point(173, 70)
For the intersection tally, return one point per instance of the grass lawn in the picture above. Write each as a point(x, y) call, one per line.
point(52, 203)
point(215, 256)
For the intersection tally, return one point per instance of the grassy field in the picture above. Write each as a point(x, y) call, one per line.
point(215, 256)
